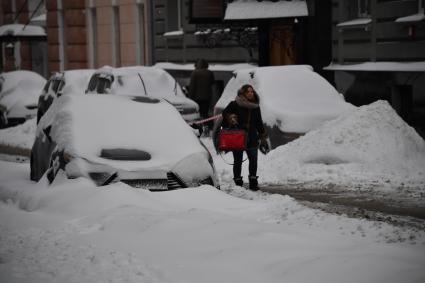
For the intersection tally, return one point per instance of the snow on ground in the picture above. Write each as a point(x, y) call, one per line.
point(73, 231)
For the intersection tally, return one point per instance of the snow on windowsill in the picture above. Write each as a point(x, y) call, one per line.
point(174, 33)
point(380, 67)
point(412, 18)
point(212, 67)
point(356, 22)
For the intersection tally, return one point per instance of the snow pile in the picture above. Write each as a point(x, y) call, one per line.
point(75, 232)
point(371, 144)
point(19, 136)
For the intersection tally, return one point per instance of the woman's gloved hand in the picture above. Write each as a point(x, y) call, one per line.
point(264, 146)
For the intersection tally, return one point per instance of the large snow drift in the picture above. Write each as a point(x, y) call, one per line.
point(372, 144)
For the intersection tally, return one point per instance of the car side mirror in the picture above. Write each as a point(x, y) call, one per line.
point(46, 132)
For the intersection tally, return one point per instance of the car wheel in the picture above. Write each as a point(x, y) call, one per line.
point(53, 167)
point(32, 168)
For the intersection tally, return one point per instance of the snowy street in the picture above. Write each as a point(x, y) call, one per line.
point(73, 231)
point(76, 232)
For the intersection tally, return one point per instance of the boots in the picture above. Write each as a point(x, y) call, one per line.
point(238, 181)
point(253, 183)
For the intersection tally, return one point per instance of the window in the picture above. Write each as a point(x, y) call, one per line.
point(363, 8)
point(174, 14)
point(206, 11)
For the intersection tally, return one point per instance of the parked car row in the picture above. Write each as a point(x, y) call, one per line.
point(100, 124)
point(129, 124)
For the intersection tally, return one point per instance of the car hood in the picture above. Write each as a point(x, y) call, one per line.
point(85, 125)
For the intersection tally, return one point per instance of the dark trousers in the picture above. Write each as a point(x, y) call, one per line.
point(204, 107)
point(252, 154)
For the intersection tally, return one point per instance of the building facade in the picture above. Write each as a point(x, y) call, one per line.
point(23, 42)
point(94, 33)
point(378, 52)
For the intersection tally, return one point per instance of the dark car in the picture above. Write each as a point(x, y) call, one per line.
point(123, 140)
point(73, 81)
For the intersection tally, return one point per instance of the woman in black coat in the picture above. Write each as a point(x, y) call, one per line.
point(244, 113)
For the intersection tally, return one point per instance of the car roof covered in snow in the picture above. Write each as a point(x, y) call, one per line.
point(20, 87)
point(293, 97)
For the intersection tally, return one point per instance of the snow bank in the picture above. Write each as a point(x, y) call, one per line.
point(75, 232)
point(371, 144)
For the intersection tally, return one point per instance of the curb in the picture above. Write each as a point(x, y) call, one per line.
point(15, 150)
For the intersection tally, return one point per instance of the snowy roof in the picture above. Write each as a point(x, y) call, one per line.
point(380, 66)
point(252, 9)
point(21, 30)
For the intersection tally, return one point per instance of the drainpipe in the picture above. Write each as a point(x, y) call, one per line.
point(62, 41)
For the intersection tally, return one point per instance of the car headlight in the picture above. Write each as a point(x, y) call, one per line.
point(195, 170)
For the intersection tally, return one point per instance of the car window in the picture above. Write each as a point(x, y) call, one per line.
point(55, 85)
point(103, 84)
point(46, 86)
point(93, 82)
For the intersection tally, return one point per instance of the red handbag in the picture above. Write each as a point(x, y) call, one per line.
point(232, 139)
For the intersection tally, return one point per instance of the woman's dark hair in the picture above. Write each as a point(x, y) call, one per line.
point(201, 64)
point(244, 89)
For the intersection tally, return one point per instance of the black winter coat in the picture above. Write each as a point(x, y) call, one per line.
point(248, 119)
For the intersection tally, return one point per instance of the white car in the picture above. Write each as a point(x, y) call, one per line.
point(141, 141)
point(19, 91)
point(293, 99)
point(143, 81)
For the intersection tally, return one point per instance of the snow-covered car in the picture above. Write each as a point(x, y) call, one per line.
point(143, 81)
point(72, 81)
point(141, 141)
point(293, 99)
point(19, 91)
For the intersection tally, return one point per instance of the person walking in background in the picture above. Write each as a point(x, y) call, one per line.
point(244, 113)
point(200, 87)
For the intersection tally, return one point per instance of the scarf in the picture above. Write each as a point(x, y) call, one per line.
point(243, 102)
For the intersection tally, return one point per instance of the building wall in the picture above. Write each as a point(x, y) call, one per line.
point(66, 33)
point(383, 39)
point(190, 47)
point(118, 32)
point(94, 33)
